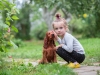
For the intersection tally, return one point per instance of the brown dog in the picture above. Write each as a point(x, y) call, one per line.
point(49, 49)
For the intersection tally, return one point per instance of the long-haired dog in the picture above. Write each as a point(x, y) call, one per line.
point(49, 49)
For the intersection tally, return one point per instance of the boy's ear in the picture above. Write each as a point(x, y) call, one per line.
point(67, 28)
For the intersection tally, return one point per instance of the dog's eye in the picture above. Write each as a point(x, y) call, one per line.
point(49, 33)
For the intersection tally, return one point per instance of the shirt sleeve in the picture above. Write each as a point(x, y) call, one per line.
point(68, 46)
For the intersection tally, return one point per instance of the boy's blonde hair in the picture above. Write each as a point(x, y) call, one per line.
point(60, 19)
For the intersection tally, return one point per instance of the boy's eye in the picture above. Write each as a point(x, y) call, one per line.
point(61, 27)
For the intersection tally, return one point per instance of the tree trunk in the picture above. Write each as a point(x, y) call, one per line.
point(48, 16)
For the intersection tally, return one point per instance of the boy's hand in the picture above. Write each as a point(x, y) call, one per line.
point(58, 46)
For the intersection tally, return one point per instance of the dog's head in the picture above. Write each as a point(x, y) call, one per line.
point(49, 39)
point(50, 35)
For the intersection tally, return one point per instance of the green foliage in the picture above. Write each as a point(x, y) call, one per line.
point(52, 69)
point(16, 68)
point(10, 11)
point(76, 25)
point(7, 11)
point(73, 6)
point(89, 26)
point(4, 37)
point(15, 17)
point(19, 68)
point(23, 22)
point(39, 32)
point(78, 8)
point(18, 42)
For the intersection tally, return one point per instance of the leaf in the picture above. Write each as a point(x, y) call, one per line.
point(9, 43)
point(14, 28)
point(4, 49)
point(15, 17)
point(7, 18)
point(6, 9)
point(8, 23)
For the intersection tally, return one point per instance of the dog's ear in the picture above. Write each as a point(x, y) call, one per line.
point(45, 41)
point(54, 43)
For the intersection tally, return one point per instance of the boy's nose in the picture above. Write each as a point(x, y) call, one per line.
point(58, 30)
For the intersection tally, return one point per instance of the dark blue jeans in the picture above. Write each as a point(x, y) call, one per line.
point(70, 57)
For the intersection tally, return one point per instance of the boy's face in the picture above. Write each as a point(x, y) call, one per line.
point(59, 28)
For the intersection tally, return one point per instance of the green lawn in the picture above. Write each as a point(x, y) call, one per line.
point(33, 50)
point(92, 49)
point(30, 50)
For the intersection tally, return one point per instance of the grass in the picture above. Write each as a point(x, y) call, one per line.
point(47, 69)
point(30, 49)
point(33, 50)
point(92, 50)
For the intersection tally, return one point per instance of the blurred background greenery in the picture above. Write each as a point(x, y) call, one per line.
point(36, 17)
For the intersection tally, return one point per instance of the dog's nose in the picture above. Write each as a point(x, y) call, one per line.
point(53, 35)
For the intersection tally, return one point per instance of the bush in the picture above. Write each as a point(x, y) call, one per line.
point(39, 32)
point(7, 16)
point(18, 42)
point(76, 25)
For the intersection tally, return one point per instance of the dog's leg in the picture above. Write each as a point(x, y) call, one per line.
point(55, 57)
point(45, 56)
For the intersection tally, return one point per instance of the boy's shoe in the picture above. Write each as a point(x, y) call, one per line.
point(72, 65)
point(77, 65)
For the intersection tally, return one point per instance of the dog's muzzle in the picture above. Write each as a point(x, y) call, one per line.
point(52, 35)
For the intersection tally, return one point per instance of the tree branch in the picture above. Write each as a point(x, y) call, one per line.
point(68, 16)
point(54, 10)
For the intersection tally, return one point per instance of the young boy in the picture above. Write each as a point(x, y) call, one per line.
point(69, 47)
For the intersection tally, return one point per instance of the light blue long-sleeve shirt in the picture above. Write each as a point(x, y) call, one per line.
point(70, 43)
